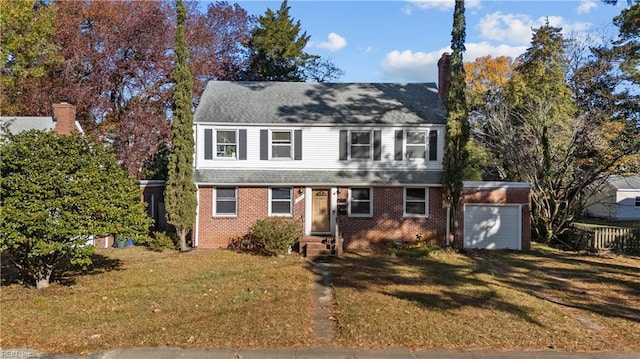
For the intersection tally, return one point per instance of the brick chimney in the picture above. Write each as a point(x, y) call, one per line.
point(64, 115)
point(444, 78)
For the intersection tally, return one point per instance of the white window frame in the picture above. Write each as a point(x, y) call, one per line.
point(425, 145)
point(351, 145)
point(272, 144)
point(215, 144)
point(271, 200)
point(215, 202)
point(351, 200)
point(405, 201)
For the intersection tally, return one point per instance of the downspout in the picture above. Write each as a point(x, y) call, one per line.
point(197, 226)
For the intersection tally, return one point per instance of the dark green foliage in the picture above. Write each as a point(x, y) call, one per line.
point(278, 47)
point(276, 234)
point(161, 241)
point(180, 191)
point(456, 153)
point(55, 192)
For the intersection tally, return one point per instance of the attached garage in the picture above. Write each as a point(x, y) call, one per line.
point(492, 226)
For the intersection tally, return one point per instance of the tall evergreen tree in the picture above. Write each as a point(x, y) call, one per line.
point(278, 47)
point(180, 199)
point(456, 154)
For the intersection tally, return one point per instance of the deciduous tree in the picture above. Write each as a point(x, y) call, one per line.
point(56, 191)
point(180, 191)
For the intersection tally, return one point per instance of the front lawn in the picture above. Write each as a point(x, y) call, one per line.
point(498, 300)
point(216, 298)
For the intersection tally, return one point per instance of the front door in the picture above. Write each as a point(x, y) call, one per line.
point(320, 210)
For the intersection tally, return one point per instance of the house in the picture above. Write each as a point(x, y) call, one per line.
point(63, 121)
point(617, 199)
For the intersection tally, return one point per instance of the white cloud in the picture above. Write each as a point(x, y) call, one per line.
point(518, 28)
point(334, 42)
point(409, 66)
point(586, 6)
point(440, 4)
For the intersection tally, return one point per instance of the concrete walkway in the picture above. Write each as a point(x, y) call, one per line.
point(317, 353)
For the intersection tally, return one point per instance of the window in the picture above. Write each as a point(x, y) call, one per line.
point(226, 144)
point(433, 145)
point(416, 144)
point(281, 144)
point(360, 142)
point(360, 202)
point(637, 201)
point(416, 202)
point(280, 202)
point(226, 201)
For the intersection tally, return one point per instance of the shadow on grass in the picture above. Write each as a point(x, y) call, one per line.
point(64, 274)
point(567, 279)
point(471, 280)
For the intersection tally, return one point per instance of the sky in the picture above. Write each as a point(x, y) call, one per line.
point(401, 41)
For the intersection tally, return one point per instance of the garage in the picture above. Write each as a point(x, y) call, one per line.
point(490, 226)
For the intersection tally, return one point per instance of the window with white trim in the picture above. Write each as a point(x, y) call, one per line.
point(416, 202)
point(281, 144)
point(280, 201)
point(360, 144)
point(416, 144)
point(225, 201)
point(226, 145)
point(360, 202)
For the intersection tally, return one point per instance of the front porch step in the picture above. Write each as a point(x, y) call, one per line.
point(318, 247)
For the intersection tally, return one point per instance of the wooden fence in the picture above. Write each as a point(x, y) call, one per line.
point(597, 237)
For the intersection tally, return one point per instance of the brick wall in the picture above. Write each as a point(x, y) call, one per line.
point(64, 114)
point(388, 222)
point(253, 204)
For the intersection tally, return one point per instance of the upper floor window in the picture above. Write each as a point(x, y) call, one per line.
point(412, 144)
point(416, 202)
point(637, 201)
point(360, 202)
point(280, 201)
point(226, 201)
point(281, 144)
point(360, 145)
point(225, 144)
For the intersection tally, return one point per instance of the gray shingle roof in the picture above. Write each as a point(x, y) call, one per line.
point(321, 103)
point(17, 124)
point(625, 182)
point(316, 177)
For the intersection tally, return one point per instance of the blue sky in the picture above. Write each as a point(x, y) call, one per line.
point(401, 41)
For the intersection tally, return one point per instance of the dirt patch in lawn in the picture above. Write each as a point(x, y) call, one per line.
point(495, 300)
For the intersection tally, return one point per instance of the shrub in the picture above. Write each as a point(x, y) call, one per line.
point(276, 234)
point(160, 241)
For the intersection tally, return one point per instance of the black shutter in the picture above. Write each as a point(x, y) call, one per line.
point(208, 144)
point(343, 144)
point(433, 145)
point(242, 144)
point(377, 145)
point(264, 144)
point(398, 145)
point(297, 145)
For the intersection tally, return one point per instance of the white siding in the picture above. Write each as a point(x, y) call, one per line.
point(627, 210)
point(320, 150)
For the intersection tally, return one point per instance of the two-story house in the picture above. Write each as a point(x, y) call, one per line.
point(365, 156)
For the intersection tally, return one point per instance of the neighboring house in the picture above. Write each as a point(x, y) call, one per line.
point(153, 196)
point(63, 121)
point(361, 159)
point(617, 199)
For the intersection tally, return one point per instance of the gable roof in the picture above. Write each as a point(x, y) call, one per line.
point(625, 182)
point(17, 124)
point(320, 103)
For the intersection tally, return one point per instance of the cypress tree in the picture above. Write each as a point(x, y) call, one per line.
point(180, 198)
point(457, 135)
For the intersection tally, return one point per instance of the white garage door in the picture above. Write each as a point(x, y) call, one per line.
point(492, 226)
